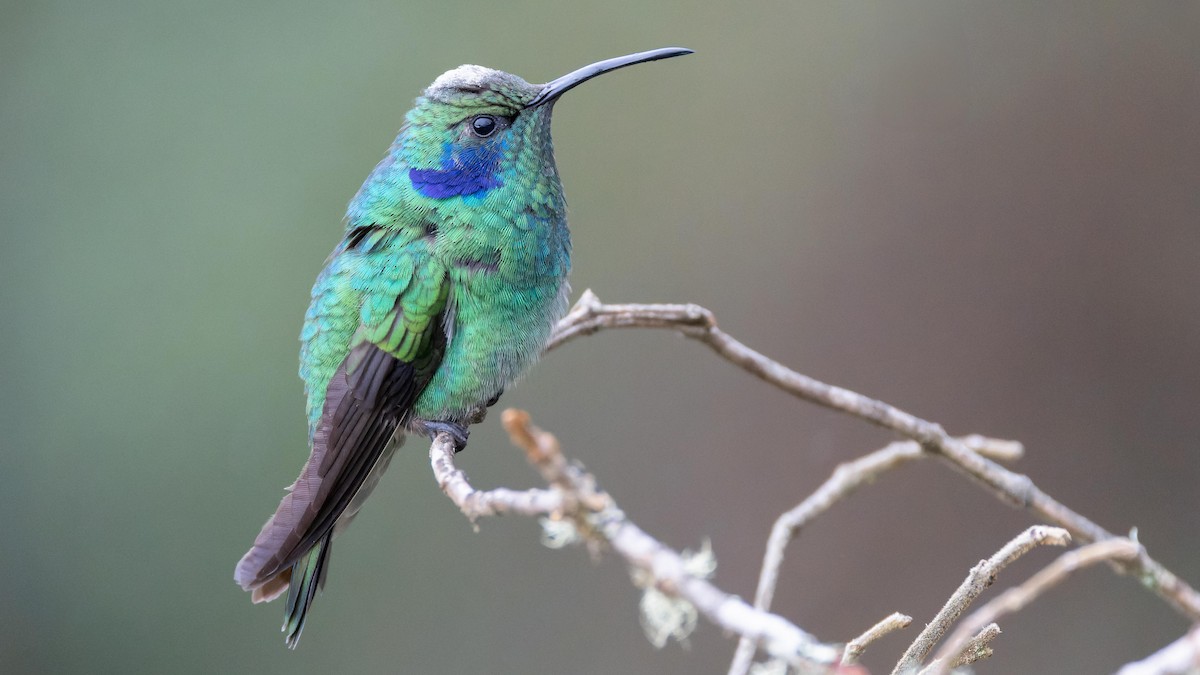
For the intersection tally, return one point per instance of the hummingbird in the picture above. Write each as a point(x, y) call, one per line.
point(443, 290)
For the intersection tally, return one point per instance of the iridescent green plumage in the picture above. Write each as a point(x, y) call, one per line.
point(451, 274)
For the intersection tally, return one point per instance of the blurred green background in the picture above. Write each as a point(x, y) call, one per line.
point(986, 213)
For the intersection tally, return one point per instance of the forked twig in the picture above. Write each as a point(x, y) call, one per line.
point(589, 316)
point(1017, 597)
point(574, 496)
point(980, 577)
point(847, 478)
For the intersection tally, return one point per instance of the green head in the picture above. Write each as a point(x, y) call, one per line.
point(479, 135)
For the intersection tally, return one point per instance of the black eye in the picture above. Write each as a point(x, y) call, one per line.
point(484, 125)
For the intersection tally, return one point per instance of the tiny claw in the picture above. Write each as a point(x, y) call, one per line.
point(457, 431)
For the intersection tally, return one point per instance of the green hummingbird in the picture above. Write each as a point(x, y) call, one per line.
point(444, 289)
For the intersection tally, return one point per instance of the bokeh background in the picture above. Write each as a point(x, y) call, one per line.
point(985, 213)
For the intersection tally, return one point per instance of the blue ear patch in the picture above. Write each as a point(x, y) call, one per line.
point(465, 171)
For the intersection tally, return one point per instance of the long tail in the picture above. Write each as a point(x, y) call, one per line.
point(307, 576)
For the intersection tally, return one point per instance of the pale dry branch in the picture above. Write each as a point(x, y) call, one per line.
point(1181, 657)
point(576, 497)
point(978, 648)
point(846, 479)
point(477, 503)
point(1016, 598)
point(592, 515)
point(890, 623)
point(980, 577)
point(589, 316)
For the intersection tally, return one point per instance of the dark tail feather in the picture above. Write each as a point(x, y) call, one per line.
point(308, 575)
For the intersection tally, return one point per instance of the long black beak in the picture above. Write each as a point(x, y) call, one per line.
point(555, 88)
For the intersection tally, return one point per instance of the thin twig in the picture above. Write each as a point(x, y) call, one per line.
point(590, 316)
point(846, 479)
point(978, 648)
point(575, 496)
point(1014, 599)
point(890, 623)
point(476, 503)
point(980, 577)
point(1181, 657)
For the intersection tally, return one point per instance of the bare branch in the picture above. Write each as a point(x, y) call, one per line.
point(855, 648)
point(575, 496)
point(590, 316)
point(1016, 598)
point(1181, 657)
point(475, 503)
point(846, 479)
point(980, 577)
point(978, 648)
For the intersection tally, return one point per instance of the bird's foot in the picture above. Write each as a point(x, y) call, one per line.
point(457, 431)
point(479, 412)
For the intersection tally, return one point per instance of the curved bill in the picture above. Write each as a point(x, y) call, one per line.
point(555, 88)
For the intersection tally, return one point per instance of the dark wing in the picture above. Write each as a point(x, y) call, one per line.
point(367, 398)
